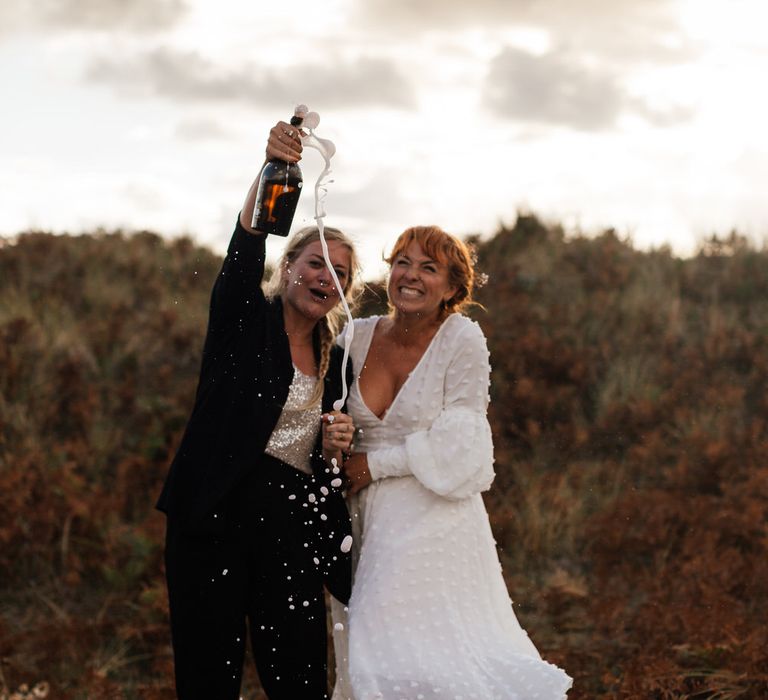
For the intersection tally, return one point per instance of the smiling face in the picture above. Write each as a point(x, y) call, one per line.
point(418, 284)
point(308, 285)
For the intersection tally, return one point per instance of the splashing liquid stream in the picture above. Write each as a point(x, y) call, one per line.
point(327, 149)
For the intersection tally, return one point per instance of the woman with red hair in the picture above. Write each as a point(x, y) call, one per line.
point(429, 616)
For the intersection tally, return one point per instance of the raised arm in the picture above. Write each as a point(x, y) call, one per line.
point(284, 143)
point(237, 293)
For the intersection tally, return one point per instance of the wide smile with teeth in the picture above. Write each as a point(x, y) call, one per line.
point(410, 292)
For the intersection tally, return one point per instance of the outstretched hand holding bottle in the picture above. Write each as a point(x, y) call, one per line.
point(284, 142)
point(271, 201)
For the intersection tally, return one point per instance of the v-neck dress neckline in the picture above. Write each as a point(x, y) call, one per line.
point(367, 349)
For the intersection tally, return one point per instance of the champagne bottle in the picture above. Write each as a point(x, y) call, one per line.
point(278, 192)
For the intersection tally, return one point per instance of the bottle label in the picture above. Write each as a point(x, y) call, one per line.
point(275, 206)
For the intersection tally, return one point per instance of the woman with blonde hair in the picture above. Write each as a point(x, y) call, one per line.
point(429, 616)
point(255, 516)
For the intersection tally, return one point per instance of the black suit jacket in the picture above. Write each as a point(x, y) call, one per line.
point(245, 376)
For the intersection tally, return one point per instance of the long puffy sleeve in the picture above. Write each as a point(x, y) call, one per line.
point(454, 456)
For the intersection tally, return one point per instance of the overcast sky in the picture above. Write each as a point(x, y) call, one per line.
point(644, 115)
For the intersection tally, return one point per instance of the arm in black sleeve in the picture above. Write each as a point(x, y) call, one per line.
point(237, 293)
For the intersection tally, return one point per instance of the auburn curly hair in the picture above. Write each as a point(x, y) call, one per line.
point(447, 250)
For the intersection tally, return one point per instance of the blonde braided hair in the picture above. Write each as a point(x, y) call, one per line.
point(332, 323)
point(327, 339)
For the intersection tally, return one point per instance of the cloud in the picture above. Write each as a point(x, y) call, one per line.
point(202, 130)
point(628, 29)
point(367, 201)
point(140, 16)
point(671, 116)
point(559, 89)
point(189, 76)
point(554, 13)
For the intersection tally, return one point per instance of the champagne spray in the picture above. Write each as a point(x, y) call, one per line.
point(326, 148)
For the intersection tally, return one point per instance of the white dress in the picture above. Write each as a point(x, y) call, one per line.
point(430, 617)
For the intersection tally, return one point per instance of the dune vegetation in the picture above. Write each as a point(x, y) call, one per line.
point(630, 416)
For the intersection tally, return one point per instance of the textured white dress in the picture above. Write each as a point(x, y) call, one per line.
point(430, 617)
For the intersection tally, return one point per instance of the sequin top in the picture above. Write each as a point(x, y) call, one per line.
point(294, 435)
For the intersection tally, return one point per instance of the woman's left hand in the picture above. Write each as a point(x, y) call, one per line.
point(338, 431)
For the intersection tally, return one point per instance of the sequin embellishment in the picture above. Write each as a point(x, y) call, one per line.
point(294, 435)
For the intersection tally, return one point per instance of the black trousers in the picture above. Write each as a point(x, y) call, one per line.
point(254, 564)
